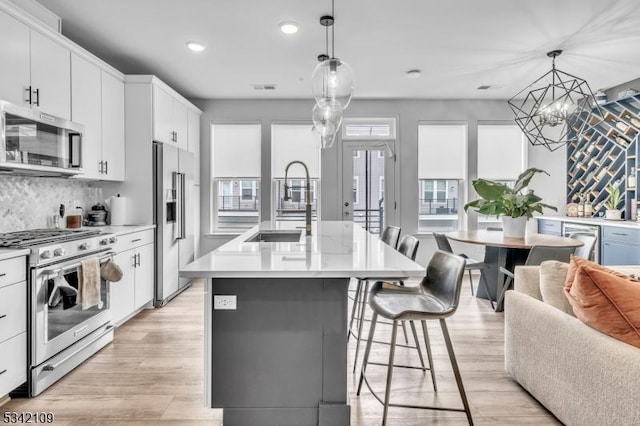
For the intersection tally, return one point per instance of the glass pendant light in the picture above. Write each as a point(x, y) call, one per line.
point(333, 79)
point(327, 117)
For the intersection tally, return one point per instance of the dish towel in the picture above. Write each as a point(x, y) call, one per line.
point(61, 288)
point(90, 283)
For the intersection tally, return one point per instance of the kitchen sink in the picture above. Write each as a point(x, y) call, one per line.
point(292, 236)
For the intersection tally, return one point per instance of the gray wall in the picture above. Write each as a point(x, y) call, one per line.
point(408, 113)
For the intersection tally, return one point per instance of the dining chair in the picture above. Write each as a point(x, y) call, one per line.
point(408, 246)
point(585, 251)
point(472, 265)
point(537, 255)
point(436, 298)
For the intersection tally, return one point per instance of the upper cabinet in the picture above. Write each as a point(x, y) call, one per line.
point(14, 50)
point(39, 75)
point(50, 76)
point(169, 118)
point(113, 127)
point(98, 103)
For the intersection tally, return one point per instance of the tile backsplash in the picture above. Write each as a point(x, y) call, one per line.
point(30, 202)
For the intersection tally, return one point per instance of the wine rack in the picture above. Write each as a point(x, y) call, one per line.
point(606, 151)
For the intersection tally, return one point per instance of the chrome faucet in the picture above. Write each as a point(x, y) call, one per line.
point(287, 195)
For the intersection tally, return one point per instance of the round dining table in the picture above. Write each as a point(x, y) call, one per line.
point(501, 251)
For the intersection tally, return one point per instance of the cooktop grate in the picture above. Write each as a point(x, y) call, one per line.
point(32, 237)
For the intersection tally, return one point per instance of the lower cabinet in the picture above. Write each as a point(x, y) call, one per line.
point(620, 246)
point(136, 287)
point(13, 324)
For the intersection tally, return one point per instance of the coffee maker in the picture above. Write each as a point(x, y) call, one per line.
point(97, 216)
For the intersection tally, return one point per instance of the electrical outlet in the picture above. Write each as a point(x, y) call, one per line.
point(225, 302)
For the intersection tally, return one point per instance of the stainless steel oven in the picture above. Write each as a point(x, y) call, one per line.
point(61, 334)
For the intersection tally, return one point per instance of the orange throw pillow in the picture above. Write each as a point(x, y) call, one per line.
point(579, 261)
point(605, 300)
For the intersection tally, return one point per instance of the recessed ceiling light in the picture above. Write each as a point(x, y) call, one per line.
point(289, 27)
point(414, 74)
point(195, 46)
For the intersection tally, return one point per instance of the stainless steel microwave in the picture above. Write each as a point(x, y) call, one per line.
point(35, 143)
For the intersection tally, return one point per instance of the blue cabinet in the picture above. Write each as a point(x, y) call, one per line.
point(620, 246)
point(551, 227)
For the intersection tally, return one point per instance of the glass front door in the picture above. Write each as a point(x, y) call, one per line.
point(368, 190)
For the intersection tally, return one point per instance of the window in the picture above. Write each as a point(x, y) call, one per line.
point(236, 176)
point(502, 156)
point(369, 129)
point(289, 143)
point(356, 190)
point(441, 173)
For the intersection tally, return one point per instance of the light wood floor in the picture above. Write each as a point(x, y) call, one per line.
point(152, 375)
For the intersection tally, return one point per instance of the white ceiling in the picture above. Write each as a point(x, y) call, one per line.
point(458, 44)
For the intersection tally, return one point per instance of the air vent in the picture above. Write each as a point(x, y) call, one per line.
point(484, 87)
point(264, 86)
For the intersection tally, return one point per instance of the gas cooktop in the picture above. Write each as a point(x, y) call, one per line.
point(32, 237)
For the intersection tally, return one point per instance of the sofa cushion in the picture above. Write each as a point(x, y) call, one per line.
point(553, 275)
point(605, 300)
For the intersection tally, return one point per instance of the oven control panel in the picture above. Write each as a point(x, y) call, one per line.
point(69, 249)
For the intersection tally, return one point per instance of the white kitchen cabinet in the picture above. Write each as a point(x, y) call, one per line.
point(170, 119)
point(136, 288)
point(98, 104)
point(145, 276)
point(193, 141)
point(14, 50)
point(122, 293)
point(113, 127)
point(13, 324)
point(50, 76)
point(35, 69)
point(85, 103)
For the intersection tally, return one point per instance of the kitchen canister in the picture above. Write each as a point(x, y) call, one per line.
point(117, 210)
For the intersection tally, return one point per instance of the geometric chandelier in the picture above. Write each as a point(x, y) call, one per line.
point(332, 87)
point(557, 109)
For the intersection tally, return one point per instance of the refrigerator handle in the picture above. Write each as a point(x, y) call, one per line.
point(181, 206)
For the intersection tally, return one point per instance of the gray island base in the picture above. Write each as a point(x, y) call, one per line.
point(279, 355)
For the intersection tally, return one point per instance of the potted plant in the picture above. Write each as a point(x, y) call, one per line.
point(512, 204)
point(612, 212)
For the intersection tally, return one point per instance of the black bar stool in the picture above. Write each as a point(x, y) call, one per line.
point(436, 298)
point(408, 246)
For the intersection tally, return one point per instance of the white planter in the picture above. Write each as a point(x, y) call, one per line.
point(514, 227)
point(613, 214)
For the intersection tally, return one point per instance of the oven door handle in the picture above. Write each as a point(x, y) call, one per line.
point(51, 367)
point(50, 272)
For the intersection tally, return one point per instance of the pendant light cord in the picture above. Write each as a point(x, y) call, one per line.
point(333, 34)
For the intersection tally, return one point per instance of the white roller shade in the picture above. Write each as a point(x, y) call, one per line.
point(501, 151)
point(291, 142)
point(236, 150)
point(442, 151)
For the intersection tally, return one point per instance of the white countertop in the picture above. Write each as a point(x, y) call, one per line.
point(9, 253)
point(594, 221)
point(334, 250)
point(121, 229)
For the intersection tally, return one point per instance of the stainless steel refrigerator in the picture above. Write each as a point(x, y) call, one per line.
point(173, 189)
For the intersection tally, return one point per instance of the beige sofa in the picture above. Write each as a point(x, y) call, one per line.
point(581, 375)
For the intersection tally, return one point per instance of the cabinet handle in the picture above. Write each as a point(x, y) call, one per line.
point(29, 92)
point(37, 102)
point(3, 316)
point(139, 263)
point(619, 233)
point(3, 371)
point(106, 167)
point(136, 240)
point(100, 167)
point(3, 274)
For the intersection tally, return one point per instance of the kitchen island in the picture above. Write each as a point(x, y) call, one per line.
point(276, 345)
